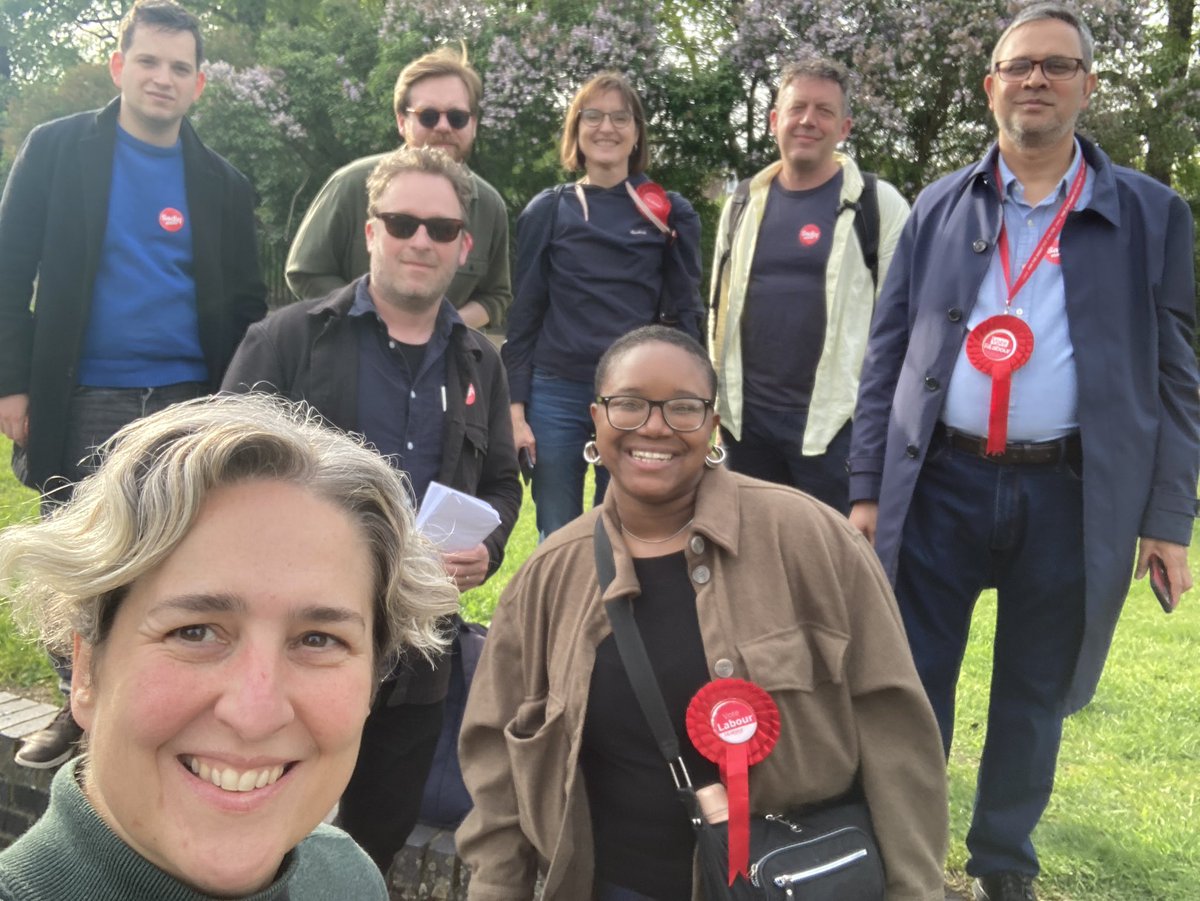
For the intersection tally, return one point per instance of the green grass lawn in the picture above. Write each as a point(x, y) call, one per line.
point(1124, 823)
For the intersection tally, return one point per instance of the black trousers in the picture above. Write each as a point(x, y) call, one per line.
point(383, 800)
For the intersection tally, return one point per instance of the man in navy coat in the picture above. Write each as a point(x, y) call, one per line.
point(1029, 420)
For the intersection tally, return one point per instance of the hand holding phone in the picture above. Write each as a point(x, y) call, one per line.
point(1161, 585)
point(525, 461)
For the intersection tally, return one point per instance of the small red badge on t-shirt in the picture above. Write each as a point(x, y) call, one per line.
point(470, 393)
point(1052, 254)
point(170, 219)
point(810, 235)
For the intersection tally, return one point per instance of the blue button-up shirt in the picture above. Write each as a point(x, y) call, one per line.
point(1043, 399)
point(402, 413)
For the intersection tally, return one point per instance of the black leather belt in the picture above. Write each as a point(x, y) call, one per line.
point(1067, 449)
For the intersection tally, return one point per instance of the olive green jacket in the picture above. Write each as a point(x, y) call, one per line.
point(330, 247)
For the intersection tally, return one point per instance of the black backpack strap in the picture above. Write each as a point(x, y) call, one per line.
point(737, 209)
point(866, 224)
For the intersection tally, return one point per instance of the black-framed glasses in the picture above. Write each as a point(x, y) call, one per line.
point(592, 117)
point(429, 117)
point(1055, 68)
point(404, 226)
point(629, 413)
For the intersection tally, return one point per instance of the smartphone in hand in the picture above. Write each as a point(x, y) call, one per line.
point(1161, 585)
point(526, 464)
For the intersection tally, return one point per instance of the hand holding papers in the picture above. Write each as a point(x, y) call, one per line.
point(455, 521)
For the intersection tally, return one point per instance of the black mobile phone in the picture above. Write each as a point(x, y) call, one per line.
point(526, 464)
point(1161, 585)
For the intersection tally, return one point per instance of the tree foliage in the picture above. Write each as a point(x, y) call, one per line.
point(300, 87)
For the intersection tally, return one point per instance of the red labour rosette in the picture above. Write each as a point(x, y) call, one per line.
point(998, 347)
point(735, 724)
point(654, 205)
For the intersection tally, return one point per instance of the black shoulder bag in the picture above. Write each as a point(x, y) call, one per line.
point(826, 854)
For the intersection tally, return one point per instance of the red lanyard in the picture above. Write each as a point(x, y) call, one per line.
point(1050, 236)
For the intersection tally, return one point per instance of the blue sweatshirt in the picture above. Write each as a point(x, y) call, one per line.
point(143, 329)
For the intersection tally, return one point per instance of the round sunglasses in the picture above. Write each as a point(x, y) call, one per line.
point(429, 117)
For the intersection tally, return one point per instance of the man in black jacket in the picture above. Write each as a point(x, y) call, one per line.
point(141, 243)
point(389, 357)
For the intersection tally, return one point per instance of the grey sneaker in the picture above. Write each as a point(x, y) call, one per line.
point(53, 745)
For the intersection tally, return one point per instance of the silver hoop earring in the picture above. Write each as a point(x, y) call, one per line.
point(715, 457)
point(591, 453)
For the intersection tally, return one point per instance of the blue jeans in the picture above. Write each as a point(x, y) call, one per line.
point(94, 416)
point(771, 448)
point(974, 524)
point(557, 413)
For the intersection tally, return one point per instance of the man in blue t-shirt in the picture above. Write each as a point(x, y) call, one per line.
point(791, 307)
point(141, 244)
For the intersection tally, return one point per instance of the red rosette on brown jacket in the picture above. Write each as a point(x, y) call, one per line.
point(735, 724)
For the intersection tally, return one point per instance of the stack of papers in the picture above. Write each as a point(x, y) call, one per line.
point(455, 521)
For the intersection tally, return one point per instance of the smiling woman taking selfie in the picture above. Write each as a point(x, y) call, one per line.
point(729, 577)
point(232, 582)
point(595, 259)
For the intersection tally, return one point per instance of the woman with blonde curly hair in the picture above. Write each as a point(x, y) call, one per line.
point(232, 582)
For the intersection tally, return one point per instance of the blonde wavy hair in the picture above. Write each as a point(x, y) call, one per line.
point(70, 572)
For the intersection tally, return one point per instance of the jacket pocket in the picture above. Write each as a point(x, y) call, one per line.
point(798, 659)
point(476, 438)
point(537, 743)
point(474, 456)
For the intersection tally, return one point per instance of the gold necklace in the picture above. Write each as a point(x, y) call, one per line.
point(657, 540)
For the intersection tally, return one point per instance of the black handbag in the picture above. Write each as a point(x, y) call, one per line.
point(827, 853)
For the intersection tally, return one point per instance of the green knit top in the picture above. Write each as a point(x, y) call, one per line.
point(71, 853)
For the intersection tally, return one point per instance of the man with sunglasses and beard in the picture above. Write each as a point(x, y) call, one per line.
point(389, 357)
point(436, 102)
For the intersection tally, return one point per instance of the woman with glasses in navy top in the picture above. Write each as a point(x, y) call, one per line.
point(595, 259)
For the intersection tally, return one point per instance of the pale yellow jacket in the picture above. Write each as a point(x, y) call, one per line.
point(849, 303)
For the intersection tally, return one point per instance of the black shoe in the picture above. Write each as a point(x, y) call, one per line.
point(53, 745)
point(1006, 886)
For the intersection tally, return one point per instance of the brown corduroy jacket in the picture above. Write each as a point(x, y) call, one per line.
point(795, 600)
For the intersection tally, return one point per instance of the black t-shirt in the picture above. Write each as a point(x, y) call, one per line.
point(783, 323)
point(643, 839)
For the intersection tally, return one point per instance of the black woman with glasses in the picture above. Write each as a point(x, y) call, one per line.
point(595, 258)
point(728, 576)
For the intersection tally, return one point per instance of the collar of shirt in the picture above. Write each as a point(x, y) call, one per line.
point(447, 320)
point(1014, 191)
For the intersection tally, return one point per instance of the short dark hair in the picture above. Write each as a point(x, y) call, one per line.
point(571, 156)
point(814, 66)
point(654, 334)
point(164, 14)
point(1037, 12)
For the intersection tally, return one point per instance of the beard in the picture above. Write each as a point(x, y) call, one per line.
point(406, 294)
point(1037, 135)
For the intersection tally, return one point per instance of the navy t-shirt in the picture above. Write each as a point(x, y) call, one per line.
point(783, 324)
